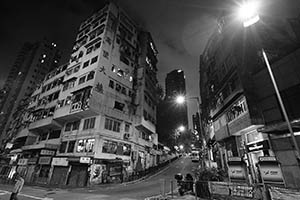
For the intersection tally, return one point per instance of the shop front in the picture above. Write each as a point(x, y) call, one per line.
point(79, 173)
point(31, 170)
point(22, 166)
point(44, 170)
point(60, 169)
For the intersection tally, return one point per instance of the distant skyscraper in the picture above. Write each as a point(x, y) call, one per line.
point(175, 83)
point(33, 62)
point(169, 114)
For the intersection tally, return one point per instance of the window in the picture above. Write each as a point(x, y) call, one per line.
point(55, 96)
point(71, 146)
point(89, 123)
point(80, 146)
point(68, 127)
point(111, 84)
point(118, 87)
point(94, 59)
point(71, 126)
point(62, 148)
point(76, 69)
point(89, 50)
point(86, 145)
point(124, 91)
point(97, 45)
point(127, 127)
point(85, 64)
point(109, 147)
point(54, 134)
point(105, 54)
point(119, 106)
point(112, 125)
point(81, 80)
point(89, 145)
point(90, 75)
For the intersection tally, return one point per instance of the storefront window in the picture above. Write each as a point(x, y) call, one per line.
point(63, 147)
point(71, 146)
point(44, 173)
point(89, 147)
point(109, 147)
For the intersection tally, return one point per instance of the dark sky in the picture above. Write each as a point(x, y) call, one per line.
point(180, 28)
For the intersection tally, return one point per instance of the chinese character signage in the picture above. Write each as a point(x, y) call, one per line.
point(270, 170)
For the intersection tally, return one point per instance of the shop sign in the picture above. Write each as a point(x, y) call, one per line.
point(258, 146)
point(60, 162)
point(45, 160)
point(231, 189)
point(32, 161)
point(47, 152)
point(86, 160)
point(235, 159)
point(23, 161)
point(220, 188)
point(267, 159)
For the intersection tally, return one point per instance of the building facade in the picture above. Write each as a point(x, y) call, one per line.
point(93, 120)
point(240, 108)
point(33, 62)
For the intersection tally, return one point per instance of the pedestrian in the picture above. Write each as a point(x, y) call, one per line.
point(18, 187)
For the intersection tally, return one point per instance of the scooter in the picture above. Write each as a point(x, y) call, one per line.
point(184, 185)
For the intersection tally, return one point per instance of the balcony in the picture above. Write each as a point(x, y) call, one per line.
point(47, 123)
point(145, 126)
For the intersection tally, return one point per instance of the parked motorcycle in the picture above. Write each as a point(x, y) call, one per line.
point(185, 185)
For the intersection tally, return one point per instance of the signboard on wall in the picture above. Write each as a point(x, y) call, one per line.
point(45, 160)
point(47, 152)
point(60, 162)
point(270, 170)
point(23, 161)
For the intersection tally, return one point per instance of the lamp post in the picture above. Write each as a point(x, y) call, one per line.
point(249, 15)
point(180, 99)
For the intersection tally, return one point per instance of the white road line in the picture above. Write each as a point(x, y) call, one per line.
point(3, 192)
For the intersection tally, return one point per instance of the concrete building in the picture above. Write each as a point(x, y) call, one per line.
point(33, 62)
point(240, 108)
point(172, 115)
point(93, 119)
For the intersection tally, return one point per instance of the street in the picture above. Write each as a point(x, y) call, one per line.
point(152, 186)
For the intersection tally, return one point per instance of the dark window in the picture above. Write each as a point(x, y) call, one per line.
point(111, 84)
point(89, 123)
point(71, 146)
point(119, 106)
point(81, 80)
point(85, 64)
point(63, 147)
point(94, 59)
point(68, 126)
point(118, 87)
point(105, 54)
point(54, 134)
point(97, 45)
point(90, 75)
point(89, 50)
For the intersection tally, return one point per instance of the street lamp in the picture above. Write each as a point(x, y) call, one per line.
point(249, 14)
point(180, 99)
point(181, 128)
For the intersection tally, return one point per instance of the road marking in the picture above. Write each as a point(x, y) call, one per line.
point(3, 192)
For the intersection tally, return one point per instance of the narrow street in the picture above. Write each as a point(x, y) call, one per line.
point(152, 186)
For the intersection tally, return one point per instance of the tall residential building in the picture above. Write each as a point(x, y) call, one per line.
point(33, 62)
point(171, 115)
point(93, 119)
point(240, 110)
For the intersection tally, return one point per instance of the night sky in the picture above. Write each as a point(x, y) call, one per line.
point(180, 28)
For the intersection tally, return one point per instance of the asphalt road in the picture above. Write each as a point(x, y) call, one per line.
point(154, 185)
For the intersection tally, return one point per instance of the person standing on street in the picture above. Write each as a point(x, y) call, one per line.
point(18, 187)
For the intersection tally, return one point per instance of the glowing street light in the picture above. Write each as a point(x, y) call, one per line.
point(180, 99)
point(248, 12)
point(181, 147)
point(181, 128)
